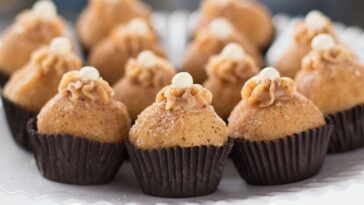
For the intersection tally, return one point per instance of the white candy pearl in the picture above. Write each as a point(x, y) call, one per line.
point(315, 20)
point(89, 73)
point(269, 73)
point(220, 28)
point(60, 45)
point(138, 26)
point(322, 42)
point(45, 9)
point(234, 52)
point(182, 80)
point(147, 59)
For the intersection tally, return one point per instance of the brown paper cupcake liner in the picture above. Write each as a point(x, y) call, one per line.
point(3, 79)
point(179, 172)
point(17, 118)
point(290, 159)
point(75, 160)
point(348, 131)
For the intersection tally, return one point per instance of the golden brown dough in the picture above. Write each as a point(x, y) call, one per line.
point(84, 107)
point(101, 16)
point(181, 116)
point(145, 77)
point(125, 41)
point(210, 41)
point(331, 77)
point(249, 17)
point(315, 23)
point(227, 73)
point(271, 109)
point(34, 84)
point(31, 30)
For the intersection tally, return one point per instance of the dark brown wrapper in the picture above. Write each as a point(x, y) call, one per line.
point(3, 79)
point(17, 118)
point(290, 159)
point(75, 160)
point(348, 131)
point(179, 172)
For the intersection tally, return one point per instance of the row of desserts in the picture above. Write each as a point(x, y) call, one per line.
point(261, 93)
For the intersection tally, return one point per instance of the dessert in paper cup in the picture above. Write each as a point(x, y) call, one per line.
point(333, 79)
point(280, 136)
point(30, 87)
point(178, 146)
point(78, 136)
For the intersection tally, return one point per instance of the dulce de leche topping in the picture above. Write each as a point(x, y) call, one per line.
point(264, 89)
point(84, 85)
point(314, 23)
point(136, 27)
point(57, 57)
point(232, 64)
point(183, 94)
point(326, 51)
point(149, 70)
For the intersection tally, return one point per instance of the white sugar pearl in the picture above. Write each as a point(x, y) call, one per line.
point(60, 45)
point(269, 73)
point(45, 9)
point(220, 28)
point(182, 80)
point(315, 20)
point(89, 73)
point(322, 42)
point(138, 26)
point(147, 59)
point(234, 52)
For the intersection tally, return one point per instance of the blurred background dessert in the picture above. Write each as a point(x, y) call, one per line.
point(336, 9)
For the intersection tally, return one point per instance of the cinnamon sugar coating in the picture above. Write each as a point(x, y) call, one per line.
point(332, 79)
point(112, 54)
point(206, 44)
point(34, 84)
point(85, 108)
point(140, 85)
point(27, 34)
point(250, 18)
point(226, 78)
point(272, 109)
point(290, 62)
point(180, 117)
point(99, 18)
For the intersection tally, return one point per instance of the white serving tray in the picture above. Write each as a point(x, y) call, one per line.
point(341, 180)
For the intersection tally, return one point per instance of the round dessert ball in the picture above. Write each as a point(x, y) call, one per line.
point(84, 107)
point(182, 116)
point(101, 16)
point(272, 109)
point(31, 30)
point(145, 77)
point(250, 18)
point(210, 41)
point(227, 73)
point(126, 41)
point(315, 23)
point(331, 77)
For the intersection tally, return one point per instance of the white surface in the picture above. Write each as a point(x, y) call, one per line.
point(341, 180)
